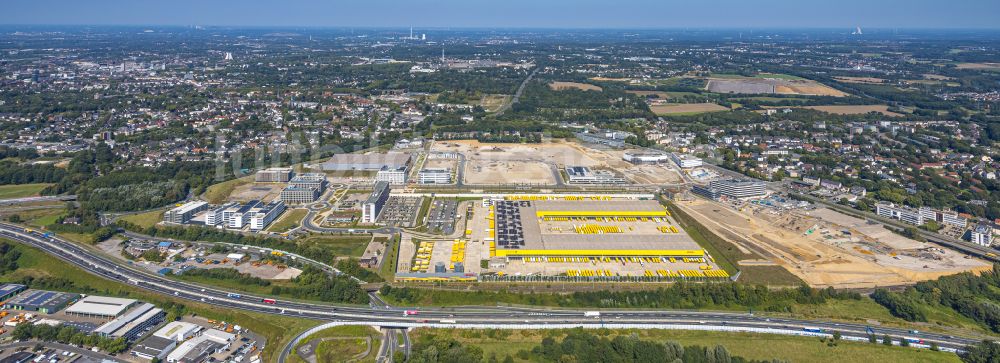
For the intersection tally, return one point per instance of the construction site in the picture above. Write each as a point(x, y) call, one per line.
point(562, 237)
point(540, 164)
point(827, 248)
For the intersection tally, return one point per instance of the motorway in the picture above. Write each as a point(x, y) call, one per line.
point(458, 317)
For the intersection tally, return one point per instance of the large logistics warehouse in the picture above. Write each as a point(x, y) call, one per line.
point(604, 228)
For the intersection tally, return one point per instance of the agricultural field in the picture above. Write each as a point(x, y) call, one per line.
point(986, 66)
point(686, 108)
point(746, 85)
point(21, 190)
point(863, 80)
point(559, 86)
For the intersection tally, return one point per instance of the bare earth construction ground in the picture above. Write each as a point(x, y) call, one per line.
point(540, 163)
point(867, 256)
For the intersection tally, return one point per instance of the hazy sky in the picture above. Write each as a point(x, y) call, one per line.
point(512, 13)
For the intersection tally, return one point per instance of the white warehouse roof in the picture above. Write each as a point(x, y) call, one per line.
point(177, 330)
point(101, 306)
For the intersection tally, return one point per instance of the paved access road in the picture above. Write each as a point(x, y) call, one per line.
point(458, 317)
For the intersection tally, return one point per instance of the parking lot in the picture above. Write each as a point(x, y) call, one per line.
point(442, 215)
point(401, 211)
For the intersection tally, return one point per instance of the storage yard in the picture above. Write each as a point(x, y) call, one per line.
point(826, 248)
point(576, 238)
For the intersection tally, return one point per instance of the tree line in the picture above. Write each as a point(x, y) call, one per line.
point(969, 295)
point(577, 346)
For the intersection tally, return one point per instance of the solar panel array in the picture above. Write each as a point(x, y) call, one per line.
point(510, 233)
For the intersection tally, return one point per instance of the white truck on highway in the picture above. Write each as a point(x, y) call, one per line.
point(592, 314)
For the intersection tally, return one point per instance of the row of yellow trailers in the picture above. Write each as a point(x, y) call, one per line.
point(422, 261)
point(566, 197)
point(457, 251)
point(686, 273)
point(611, 259)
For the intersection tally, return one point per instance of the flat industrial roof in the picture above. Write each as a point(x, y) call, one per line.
point(599, 206)
point(41, 298)
point(101, 305)
point(538, 242)
point(114, 326)
point(9, 288)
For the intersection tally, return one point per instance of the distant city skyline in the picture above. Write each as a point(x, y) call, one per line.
point(513, 13)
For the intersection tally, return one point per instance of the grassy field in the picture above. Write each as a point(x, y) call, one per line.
point(353, 246)
point(492, 102)
point(217, 193)
point(276, 329)
point(746, 345)
point(21, 190)
point(390, 258)
point(291, 219)
point(347, 341)
point(144, 220)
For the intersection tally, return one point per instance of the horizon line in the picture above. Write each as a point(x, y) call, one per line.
point(439, 28)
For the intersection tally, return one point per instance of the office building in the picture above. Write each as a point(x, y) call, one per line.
point(238, 216)
point(395, 176)
point(184, 213)
point(943, 217)
point(908, 215)
point(373, 205)
point(738, 189)
point(297, 195)
point(434, 176)
point(919, 217)
point(982, 235)
point(585, 175)
point(686, 161)
point(309, 180)
point(274, 175)
point(645, 157)
point(263, 217)
point(214, 216)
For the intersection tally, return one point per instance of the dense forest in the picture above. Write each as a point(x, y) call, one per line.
point(969, 295)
